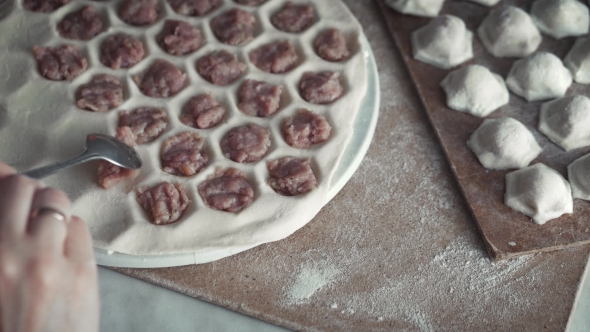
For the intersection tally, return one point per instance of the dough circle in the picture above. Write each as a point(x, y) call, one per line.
point(561, 18)
point(503, 143)
point(539, 76)
point(445, 42)
point(538, 192)
point(475, 90)
point(566, 121)
point(508, 31)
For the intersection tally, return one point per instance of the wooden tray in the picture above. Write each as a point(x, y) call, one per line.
point(506, 233)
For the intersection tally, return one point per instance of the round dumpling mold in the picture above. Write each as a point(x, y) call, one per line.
point(578, 60)
point(561, 18)
point(539, 192)
point(539, 76)
point(445, 42)
point(566, 121)
point(475, 90)
point(508, 31)
point(426, 8)
point(578, 173)
point(503, 143)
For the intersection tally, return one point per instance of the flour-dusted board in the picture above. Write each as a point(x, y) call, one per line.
point(506, 233)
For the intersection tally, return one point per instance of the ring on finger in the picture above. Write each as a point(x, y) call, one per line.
point(48, 211)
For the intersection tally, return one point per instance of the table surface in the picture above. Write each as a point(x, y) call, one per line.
point(396, 249)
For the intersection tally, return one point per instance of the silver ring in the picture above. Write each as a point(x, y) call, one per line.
point(51, 212)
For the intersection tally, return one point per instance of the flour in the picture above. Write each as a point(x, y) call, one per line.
point(308, 281)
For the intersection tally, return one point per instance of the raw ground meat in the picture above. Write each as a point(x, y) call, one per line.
point(294, 18)
point(331, 45)
point(110, 174)
point(258, 98)
point(139, 12)
point(234, 27)
point(194, 7)
point(183, 154)
point(60, 63)
point(121, 51)
point(227, 190)
point(250, 2)
point(220, 68)
point(179, 38)
point(162, 79)
point(246, 144)
point(165, 202)
point(305, 129)
point(103, 93)
point(147, 123)
point(290, 176)
point(83, 24)
point(276, 57)
point(320, 88)
point(202, 112)
point(43, 6)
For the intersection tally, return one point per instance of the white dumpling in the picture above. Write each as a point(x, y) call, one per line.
point(445, 42)
point(561, 18)
point(539, 76)
point(538, 192)
point(509, 32)
point(488, 3)
point(566, 121)
point(578, 173)
point(503, 143)
point(427, 8)
point(578, 60)
point(475, 90)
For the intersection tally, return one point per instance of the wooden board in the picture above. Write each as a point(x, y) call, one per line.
point(506, 233)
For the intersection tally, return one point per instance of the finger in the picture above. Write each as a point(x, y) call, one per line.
point(53, 199)
point(78, 245)
point(49, 232)
point(16, 196)
point(5, 170)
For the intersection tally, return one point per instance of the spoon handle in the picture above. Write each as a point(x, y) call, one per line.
point(41, 172)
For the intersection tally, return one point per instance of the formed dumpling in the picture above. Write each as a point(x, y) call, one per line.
point(538, 192)
point(488, 3)
point(539, 76)
point(561, 18)
point(566, 121)
point(427, 8)
point(578, 60)
point(503, 143)
point(475, 90)
point(444, 42)
point(509, 32)
point(578, 173)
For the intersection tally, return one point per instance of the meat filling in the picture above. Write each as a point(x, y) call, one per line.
point(291, 176)
point(277, 57)
point(139, 12)
point(234, 27)
point(179, 38)
point(165, 202)
point(220, 68)
point(109, 174)
point(43, 6)
point(147, 123)
point(103, 93)
point(246, 144)
point(121, 51)
point(183, 154)
point(259, 98)
point(305, 129)
point(202, 112)
point(83, 24)
point(227, 190)
point(331, 45)
point(194, 7)
point(161, 80)
point(294, 18)
point(320, 88)
point(60, 63)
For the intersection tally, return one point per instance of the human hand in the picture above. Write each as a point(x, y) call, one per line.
point(48, 275)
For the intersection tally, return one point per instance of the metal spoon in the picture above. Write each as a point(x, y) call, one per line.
point(97, 147)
